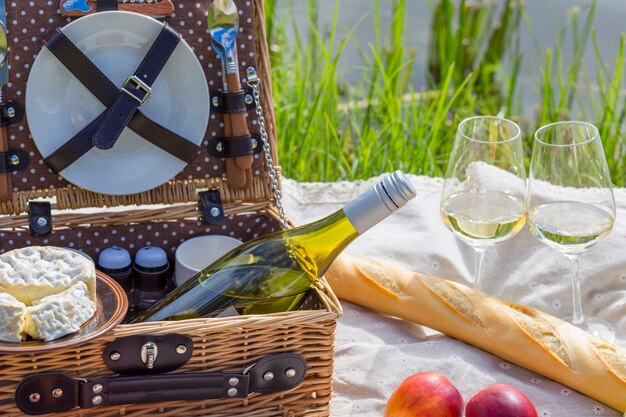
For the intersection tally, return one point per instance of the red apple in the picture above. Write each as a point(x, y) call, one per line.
point(500, 400)
point(427, 394)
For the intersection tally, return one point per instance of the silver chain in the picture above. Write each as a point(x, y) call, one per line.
point(253, 82)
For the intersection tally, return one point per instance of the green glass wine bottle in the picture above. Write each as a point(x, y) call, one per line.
point(273, 273)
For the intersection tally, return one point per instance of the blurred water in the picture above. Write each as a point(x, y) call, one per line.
point(547, 17)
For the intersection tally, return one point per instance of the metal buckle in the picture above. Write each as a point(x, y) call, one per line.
point(139, 85)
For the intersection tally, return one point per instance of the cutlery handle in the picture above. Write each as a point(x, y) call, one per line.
point(235, 176)
point(6, 188)
point(160, 8)
point(239, 126)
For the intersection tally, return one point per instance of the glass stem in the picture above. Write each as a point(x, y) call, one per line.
point(577, 316)
point(478, 267)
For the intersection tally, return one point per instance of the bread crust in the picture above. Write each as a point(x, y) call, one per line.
point(525, 336)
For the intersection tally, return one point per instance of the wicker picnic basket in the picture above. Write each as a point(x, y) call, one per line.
point(166, 216)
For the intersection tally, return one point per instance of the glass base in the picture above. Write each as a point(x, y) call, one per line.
point(597, 327)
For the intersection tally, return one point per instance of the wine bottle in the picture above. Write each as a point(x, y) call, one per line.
point(273, 273)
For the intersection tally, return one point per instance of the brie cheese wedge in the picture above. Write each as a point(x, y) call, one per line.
point(56, 315)
point(12, 318)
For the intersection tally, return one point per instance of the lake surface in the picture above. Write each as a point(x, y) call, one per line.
point(547, 17)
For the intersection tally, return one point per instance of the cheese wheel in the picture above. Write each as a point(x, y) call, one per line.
point(38, 271)
point(519, 334)
point(45, 292)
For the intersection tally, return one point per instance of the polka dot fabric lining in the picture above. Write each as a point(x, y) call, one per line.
point(167, 235)
point(29, 22)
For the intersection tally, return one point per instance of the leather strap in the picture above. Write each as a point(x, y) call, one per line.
point(219, 104)
point(211, 207)
point(40, 218)
point(57, 392)
point(13, 160)
point(11, 112)
point(233, 102)
point(235, 146)
point(88, 74)
point(106, 5)
point(137, 89)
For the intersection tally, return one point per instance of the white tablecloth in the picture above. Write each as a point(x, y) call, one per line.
point(374, 353)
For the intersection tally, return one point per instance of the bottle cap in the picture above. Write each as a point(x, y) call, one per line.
point(377, 203)
point(396, 190)
point(151, 258)
point(114, 259)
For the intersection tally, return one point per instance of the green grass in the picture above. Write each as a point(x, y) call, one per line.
point(330, 130)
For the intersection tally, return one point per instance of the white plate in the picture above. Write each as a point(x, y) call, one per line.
point(58, 106)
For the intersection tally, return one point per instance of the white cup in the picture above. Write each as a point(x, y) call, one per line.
point(195, 254)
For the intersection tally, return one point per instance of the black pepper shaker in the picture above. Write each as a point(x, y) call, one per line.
point(150, 277)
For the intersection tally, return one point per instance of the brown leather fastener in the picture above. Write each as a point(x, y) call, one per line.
point(124, 355)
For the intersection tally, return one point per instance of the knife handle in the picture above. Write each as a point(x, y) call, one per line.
point(160, 8)
point(239, 126)
point(6, 188)
point(235, 176)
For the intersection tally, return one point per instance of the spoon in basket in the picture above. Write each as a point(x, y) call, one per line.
point(223, 24)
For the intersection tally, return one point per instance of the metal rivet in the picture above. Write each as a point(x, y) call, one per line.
point(10, 112)
point(232, 392)
point(115, 356)
point(97, 400)
point(181, 349)
point(57, 392)
point(216, 101)
point(219, 147)
point(248, 98)
point(97, 389)
point(15, 160)
point(215, 212)
point(290, 373)
point(233, 381)
point(268, 376)
point(34, 397)
point(254, 143)
point(41, 221)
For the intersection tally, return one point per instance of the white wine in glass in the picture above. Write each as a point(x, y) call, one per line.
point(483, 197)
point(570, 200)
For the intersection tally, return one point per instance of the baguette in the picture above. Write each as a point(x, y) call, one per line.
point(524, 336)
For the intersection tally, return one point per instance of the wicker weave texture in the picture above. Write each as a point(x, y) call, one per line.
point(219, 345)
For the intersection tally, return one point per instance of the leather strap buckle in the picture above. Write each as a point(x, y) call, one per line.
point(139, 86)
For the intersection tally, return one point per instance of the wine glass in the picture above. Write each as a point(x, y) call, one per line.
point(483, 196)
point(570, 200)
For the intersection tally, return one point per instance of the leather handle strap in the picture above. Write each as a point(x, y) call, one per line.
point(88, 74)
point(57, 392)
point(137, 89)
